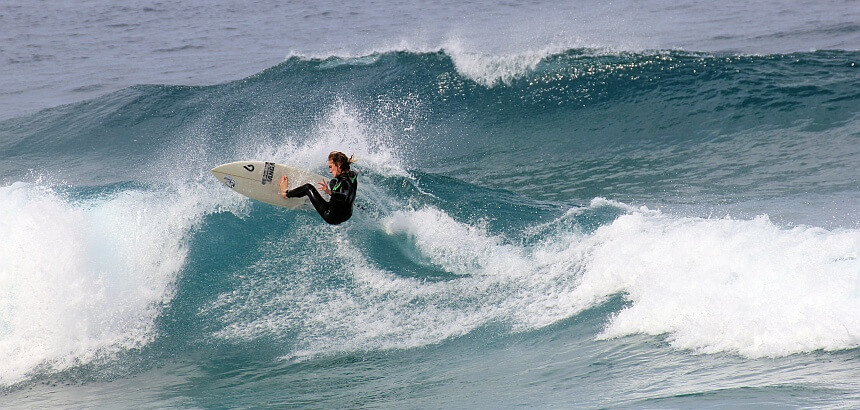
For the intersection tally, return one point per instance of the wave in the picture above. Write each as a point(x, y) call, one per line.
point(490, 69)
point(84, 279)
point(739, 286)
point(572, 101)
point(477, 202)
point(483, 68)
point(669, 126)
point(744, 287)
point(408, 275)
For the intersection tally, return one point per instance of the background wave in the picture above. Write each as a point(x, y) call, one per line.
point(665, 127)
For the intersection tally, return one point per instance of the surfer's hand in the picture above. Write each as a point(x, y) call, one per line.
point(284, 183)
point(324, 187)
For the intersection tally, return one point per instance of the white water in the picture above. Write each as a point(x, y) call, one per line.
point(743, 287)
point(746, 287)
point(80, 280)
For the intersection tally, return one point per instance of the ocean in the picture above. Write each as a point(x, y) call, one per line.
point(620, 205)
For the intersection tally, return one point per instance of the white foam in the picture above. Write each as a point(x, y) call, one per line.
point(491, 69)
point(375, 309)
point(82, 280)
point(457, 248)
point(745, 287)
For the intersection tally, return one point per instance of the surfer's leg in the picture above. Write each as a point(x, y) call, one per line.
point(300, 191)
point(317, 200)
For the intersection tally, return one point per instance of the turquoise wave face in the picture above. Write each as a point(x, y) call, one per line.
point(575, 202)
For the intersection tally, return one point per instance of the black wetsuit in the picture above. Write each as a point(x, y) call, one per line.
point(339, 208)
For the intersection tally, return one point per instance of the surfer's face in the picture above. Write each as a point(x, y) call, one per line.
point(333, 168)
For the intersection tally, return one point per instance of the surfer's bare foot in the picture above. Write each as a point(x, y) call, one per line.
point(285, 184)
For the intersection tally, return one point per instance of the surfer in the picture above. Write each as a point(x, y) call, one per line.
point(341, 188)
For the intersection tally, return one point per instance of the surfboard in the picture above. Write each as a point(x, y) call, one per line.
point(259, 180)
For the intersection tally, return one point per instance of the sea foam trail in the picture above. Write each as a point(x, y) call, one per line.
point(744, 287)
point(80, 280)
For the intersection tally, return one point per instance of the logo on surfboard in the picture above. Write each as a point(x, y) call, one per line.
point(249, 167)
point(268, 172)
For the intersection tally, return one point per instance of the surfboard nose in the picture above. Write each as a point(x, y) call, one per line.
point(222, 169)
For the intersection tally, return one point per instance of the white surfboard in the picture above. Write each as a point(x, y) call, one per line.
point(259, 180)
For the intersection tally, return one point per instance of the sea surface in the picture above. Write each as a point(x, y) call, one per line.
point(624, 204)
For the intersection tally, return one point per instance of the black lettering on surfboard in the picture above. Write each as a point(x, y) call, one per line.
point(268, 172)
point(249, 167)
point(229, 182)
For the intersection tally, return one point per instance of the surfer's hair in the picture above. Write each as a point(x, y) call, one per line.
point(341, 160)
